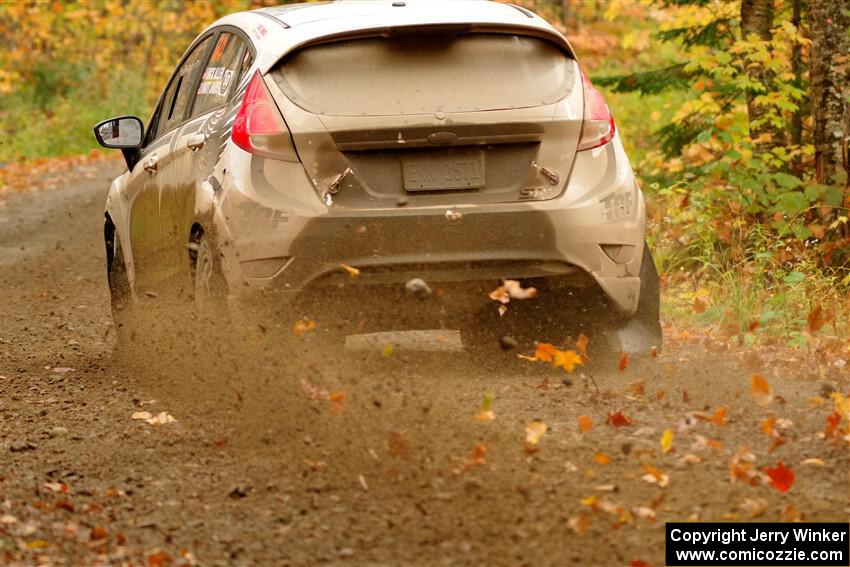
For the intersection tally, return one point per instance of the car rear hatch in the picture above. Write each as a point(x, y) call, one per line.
point(432, 116)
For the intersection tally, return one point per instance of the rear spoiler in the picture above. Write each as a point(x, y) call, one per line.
point(549, 35)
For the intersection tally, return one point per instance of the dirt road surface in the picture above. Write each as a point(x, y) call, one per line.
point(364, 459)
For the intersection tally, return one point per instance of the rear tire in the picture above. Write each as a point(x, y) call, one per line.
point(642, 332)
point(210, 287)
point(120, 293)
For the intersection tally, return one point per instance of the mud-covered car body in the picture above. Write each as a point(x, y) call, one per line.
point(442, 139)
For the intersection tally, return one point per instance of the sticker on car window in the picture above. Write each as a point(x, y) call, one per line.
point(225, 82)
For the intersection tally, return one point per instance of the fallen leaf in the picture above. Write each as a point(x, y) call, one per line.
point(590, 501)
point(691, 459)
point(581, 345)
point(62, 369)
point(387, 351)
point(781, 477)
point(605, 487)
point(760, 389)
point(814, 462)
point(141, 415)
point(337, 400)
point(742, 467)
point(534, 432)
point(644, 513)
point(158, 559)
point(584, 423)
point(655, 476)
point(502, 310)
point(579, 523)
point(303, 326)
point(638, 387)
point(639, 563)
point(478, 457)
point(755, 507)
point(352, 271)
point(768, 426)
point(546, 352)
point(516, 291)
point(701, 442)
point(161, 418)
point(791, 514)
point(667, 441)
point(60, 487)
point(624, 361)
point(619, 419)
point(567, 360)
point(718, 418)
point(511, 289)
point(486, 411)
point(602, 458)
point(98, 533)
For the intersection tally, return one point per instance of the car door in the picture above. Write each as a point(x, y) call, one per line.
point(198, 145)
point(158, 160)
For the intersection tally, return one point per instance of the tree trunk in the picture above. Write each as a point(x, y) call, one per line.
point(797, 69)
point(757, 18)
point(830, 90)
point(565, 12)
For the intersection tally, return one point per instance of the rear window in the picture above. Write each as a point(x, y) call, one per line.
point(423, 74)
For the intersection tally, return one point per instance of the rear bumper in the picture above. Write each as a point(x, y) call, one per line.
point(559, 237)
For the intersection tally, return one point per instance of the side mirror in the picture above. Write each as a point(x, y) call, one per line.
point(124, 133)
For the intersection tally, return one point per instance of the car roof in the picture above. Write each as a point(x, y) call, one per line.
point(276, 31)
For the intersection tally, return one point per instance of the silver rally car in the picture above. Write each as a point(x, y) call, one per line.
point(448, 140)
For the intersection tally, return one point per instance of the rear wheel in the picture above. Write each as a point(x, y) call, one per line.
point(210, 287)
point(642, 331)
point(121, 297)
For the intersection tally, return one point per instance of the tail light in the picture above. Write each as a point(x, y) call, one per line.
point(598, 128)
point(259, 128)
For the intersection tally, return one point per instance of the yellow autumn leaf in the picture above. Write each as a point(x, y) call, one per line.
point(352, 271)
point(667, 441)
point(567, 360)
point(534, 432)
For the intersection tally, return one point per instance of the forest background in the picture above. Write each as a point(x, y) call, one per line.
point(735, 113)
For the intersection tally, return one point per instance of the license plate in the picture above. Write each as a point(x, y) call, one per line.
point(456, 170)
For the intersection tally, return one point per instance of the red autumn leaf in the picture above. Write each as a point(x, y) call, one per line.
point(639, 563)
point(159, 559)
point(624, 361)
point(618, 419)
point(337, 400)
point(781, 477)
point(832, 423)
point(99, 533)
point(478, 458)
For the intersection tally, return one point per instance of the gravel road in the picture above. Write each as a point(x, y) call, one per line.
point(287, 458)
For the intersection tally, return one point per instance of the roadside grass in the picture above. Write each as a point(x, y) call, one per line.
point(33, 125)
point(758, 297)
